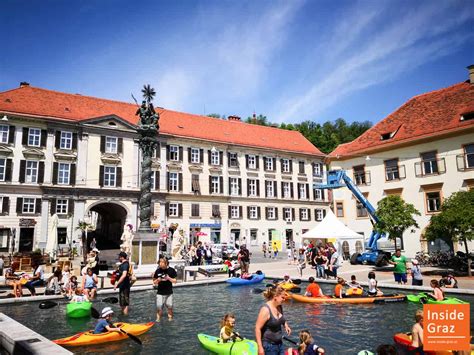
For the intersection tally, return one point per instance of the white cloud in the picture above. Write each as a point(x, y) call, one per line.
point(228, 63)
point(408, 41)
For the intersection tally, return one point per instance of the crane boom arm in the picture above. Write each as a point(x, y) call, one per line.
point(337, 179)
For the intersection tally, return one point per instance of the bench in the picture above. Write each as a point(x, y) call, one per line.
point(206, 270)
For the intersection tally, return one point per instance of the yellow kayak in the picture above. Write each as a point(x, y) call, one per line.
point(89, 338)
point(288, 285)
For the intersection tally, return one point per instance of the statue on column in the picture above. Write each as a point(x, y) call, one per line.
point(127, 238)
point(147, 129)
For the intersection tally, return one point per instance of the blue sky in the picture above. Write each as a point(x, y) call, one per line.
point(289, 60)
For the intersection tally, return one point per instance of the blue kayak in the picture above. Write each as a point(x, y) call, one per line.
point(237, 281)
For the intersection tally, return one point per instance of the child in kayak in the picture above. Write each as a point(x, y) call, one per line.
point(286, 280)
point(373, 290)
point(339, 289)
point(227, 332)
point(105, 322)
point(79, 296)
point(313, 289)
point(355, 289)
point(438, 293)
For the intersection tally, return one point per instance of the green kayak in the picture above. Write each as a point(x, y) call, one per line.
point(78, 309)
point(241, 347)
point(425, 298)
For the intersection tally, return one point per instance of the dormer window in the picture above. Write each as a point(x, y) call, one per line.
point(388, 135)
point(467, 116)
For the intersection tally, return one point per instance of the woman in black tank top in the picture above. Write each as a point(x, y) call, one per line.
point(270, 323)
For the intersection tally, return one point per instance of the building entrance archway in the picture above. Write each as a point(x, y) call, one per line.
point(110, 219)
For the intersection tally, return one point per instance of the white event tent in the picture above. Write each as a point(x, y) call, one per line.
point(333, 230)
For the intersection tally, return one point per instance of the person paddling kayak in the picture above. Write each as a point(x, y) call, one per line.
point(105, 322)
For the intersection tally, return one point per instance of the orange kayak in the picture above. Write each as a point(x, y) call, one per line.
point(89, 338)
point(404, 340)
point(353, 300)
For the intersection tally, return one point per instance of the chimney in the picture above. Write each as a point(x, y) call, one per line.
point(24, 83)
point(234, 118)
point(471, 73)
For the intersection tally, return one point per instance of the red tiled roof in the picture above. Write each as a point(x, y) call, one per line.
point(29, 100)
point(424, 116)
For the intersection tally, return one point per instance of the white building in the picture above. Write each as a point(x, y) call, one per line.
point(424, 152)
point(78, 157)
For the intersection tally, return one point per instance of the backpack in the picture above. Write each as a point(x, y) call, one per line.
point(131, 275)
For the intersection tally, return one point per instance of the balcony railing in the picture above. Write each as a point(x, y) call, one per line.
point(362, 178)
point(393, 173)
point(465, 162)
point(430, 167)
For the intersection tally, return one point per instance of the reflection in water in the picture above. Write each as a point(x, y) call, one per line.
point(340, 329)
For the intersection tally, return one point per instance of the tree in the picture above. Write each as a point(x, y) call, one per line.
point(260, 120)
point(395, 217)
point(84, 227)
point(455, 222)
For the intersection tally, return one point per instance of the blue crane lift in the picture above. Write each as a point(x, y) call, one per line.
point(337, 179)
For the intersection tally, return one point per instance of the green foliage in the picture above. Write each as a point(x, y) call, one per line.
point(395, 216)
point(325, 137)
point(260, 120)
point(456, 220)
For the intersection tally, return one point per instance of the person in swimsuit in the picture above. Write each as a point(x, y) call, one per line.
point(270, 323)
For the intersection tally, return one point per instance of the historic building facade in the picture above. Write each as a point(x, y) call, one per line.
point(424, 152)
point(66, 158)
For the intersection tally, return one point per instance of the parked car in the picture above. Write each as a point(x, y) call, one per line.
point(224, 251)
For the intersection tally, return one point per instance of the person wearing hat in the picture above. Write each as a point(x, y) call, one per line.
point(105, 322)
point(286, 280)
point(417, 278)
point(123, 282)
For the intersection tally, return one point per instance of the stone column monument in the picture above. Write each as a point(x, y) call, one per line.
point(145, 245)
point(148, 128)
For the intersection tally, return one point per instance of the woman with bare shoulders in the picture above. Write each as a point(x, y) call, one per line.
point(270, 323)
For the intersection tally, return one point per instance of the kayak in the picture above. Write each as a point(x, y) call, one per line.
point(404, 341)
point(88, 338)
point(78, 309)
point(353, 300)
point(288, 286)
point(237, 281)
point(424, 298)
point(241, 347)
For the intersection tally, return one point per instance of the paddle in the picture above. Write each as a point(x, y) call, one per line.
point(290, 340)
point(111, 300)
point(50, 304)
point(131, 336)
point(47, 304)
